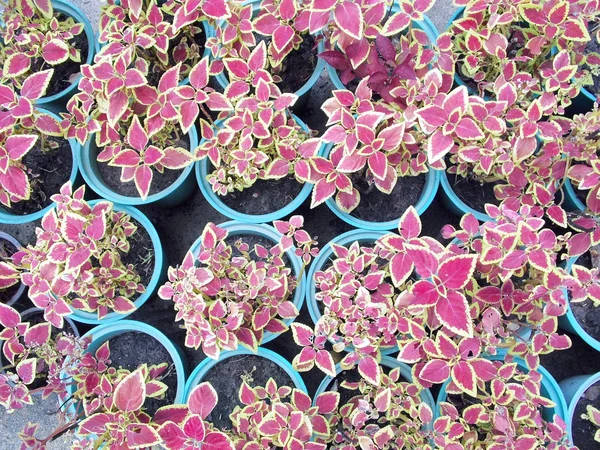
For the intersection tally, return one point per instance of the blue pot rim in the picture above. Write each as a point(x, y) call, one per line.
point(219, 205)
point(266, 231)
point(548, 382)
point(72, 10)
point(432, 182)
point(584, 386)
point(306, 87)
point(202, 369)
point(11, 239)
point(92, 318)
point(425, 25)
point(571, 196)
point(107, 331)
point(392, 363)
point(570, 317)
point(98, 186)
point(311, 289)
point(8, 218)
point(462, 206)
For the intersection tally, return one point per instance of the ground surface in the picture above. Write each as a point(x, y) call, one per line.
point(179, 228)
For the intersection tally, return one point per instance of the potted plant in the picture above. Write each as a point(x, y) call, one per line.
point(229, 373)
point(93, 261)
point(41, 34)
point(291, 48)
point(523, 409)
point(11, 287)
point(240, 284)
point(36, 158)
point(395, 415)
point(581, 393)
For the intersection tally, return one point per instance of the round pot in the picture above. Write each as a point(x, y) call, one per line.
point(549, 389)
point(159, 270)
point(572, 202)
point(568, 321)
point(107, 331)
point(426, 25)
point(303, 92)
point(8, 218)
point(172, 196)
point(573, 389)
point(454, 204)
point(266, 231)
point(17, 295)
point(345, 239)
point(432, 182)
point(202, 169)
point(69, 9)
point(202, 369)
point(392, 363)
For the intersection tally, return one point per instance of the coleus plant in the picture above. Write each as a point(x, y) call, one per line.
point(508, 414)
point(520, 36)
point(33, 37)
point(593, 415)
point(76, 260)
point(282, 417)
point(256, 136)
point(386, 417)
point(229, 295)
point(22, 126)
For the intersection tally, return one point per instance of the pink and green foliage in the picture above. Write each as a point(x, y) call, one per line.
point(22, 127)
point(593, 415)
point(282, 417)
point(161, 34)
point(33, 35)
point(489, 39)
point(392, 416)
point(185, 426)
point(228, 295)
point(9, 275)
point(33, 353)
point(257, 137)
point(76, 260)
point(234, 37)
point(506, 414)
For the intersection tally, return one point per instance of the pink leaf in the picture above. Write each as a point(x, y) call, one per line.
point(36, 84)
point(370, 370)
point(216, 9)
point(456, 271)
point(438, 146)
point(203, 400)
point(143, 178)
point(324, 362)
point(136, 135)
point(130, 393)
point(55, 52)
point(435, 371)
point(453, 312)
point(348, 17)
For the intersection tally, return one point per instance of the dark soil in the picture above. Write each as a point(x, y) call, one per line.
point(111, 176)
point(474, 194)
point(47, 172)
point(227, 377)
point(584, 430)
point(593, 46)
point(299, 65)
point(586, 314)
point(6, 251)
point(141, 255)
point(264, 196)
point(66, 72)
point(132, 349)
point(377, 206)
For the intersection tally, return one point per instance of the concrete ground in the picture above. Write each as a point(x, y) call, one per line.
point(44, 412)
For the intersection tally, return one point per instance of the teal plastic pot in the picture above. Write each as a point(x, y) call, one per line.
point(202, 369)
point(573, 389)
point(102, 333)
point(432, 182)
point(326, 253)
point(549, 389)
point(174, 195)
point(572, 202)
point(69, 9)
point(455, 204)
point(157, 275)
point(392, 363)
point(202, 168)
point(268, 232)
point(426, 25)
point(8, 218)
point(569, 323)
point(303, 92)
point(17, 295)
